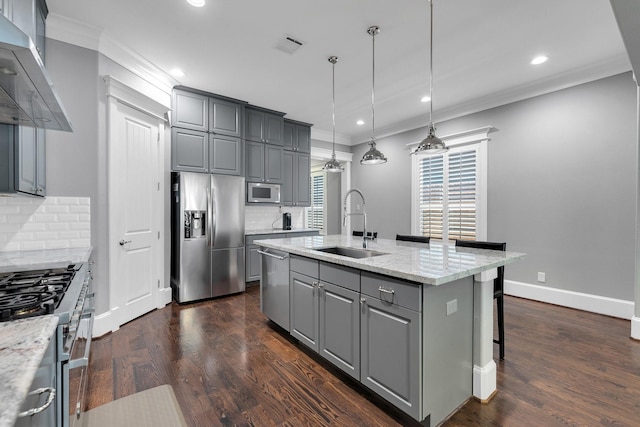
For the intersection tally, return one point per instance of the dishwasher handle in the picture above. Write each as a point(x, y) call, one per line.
point(281, 258)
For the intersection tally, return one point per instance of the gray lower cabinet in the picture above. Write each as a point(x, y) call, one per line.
point(303, 314)
point(296, 169)
point(252, 257)
point(264, 162)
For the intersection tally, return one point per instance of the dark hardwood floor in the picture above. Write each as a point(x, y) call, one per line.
point(229, 366)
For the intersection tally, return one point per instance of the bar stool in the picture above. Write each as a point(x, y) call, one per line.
point(409, 238)
point(498, 284)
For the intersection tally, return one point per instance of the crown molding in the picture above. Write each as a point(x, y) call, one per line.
point(327, 136)
point(77, 33)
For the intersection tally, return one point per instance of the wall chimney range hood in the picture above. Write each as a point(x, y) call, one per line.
point(27, 97)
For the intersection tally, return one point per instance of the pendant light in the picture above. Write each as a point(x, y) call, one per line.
point(373, 156)
point(431, 144)
point(333, 165)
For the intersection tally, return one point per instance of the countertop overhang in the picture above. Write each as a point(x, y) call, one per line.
point(435, 263)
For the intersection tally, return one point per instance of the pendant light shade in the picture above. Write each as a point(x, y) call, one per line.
point(431, 144)
point(333, 165)
point(373, 156)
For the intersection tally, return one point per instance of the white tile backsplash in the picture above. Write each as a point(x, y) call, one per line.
point(50, 223)
point(265, 217)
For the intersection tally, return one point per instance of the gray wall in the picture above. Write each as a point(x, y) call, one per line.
point(561, 185)
point(334, 204)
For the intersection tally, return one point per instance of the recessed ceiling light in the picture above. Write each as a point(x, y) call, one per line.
point(177, 72)
point(539, 60)
point(425, 99)
point(360, 122)
point(196, 3)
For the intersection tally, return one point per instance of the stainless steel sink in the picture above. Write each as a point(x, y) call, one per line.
point(350, 252)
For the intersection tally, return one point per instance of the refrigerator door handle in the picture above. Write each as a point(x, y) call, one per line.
point(212, 209)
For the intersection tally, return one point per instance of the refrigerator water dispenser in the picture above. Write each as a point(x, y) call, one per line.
point(194, 224)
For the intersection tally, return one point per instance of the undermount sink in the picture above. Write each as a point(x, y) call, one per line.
point(350, 252)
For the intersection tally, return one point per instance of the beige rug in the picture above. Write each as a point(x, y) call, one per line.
point(156, 407)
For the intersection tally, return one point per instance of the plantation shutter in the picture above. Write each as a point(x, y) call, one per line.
point(315, 213)
point(462, 195)
point(431, 196)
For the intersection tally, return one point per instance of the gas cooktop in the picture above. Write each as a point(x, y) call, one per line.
point(33, 293)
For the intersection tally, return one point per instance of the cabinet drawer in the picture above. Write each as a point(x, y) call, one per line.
point(342, 276)
point(394, 291)
point(304, 266)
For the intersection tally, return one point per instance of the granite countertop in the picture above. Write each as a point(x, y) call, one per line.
point(22, 346)
point(45, 258)
point(276, 231)
point(432, 264)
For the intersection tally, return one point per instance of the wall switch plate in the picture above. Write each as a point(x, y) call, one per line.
point(452, 307)
point(542, 277)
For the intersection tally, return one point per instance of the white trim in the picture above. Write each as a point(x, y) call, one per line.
point(587, 302)
point(635, 328)
point(164, 296)
point(466, 137)
point(134, 99)
point(103, 324)
point(327, 136)
point(74, 32)
point(323, 153)
point(484, 381)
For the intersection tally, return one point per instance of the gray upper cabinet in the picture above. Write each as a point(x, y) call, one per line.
point(264, 163)
point(225, 154)
point(296, 169)
point(297, 136)
point(264, 126)
point(225, 117)
point(22, 160)
point(189, 150)
point(190, 110)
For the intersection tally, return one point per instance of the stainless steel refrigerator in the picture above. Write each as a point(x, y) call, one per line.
point(207, 235)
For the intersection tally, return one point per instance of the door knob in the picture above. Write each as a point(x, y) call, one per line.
point(124, 242)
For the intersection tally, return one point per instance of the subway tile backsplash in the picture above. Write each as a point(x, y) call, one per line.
point(267, 217)
point(50, 223)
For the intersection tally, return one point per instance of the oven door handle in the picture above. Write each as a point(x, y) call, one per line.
point(84, 360)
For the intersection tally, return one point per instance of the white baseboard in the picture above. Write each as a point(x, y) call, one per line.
point(635, 328)
point(164, 297)
point(578, 300)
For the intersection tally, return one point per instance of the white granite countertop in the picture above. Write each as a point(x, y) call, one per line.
point(276, 231)
point(432, 264)
point(45, 258)
point(22, 347)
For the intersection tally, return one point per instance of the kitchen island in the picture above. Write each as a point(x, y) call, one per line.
point(412, 322)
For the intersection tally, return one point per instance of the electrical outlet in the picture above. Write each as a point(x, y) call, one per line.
point(452, 307)
point(542, 277)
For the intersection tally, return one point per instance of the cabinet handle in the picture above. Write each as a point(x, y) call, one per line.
point(321, 285)
point(363, 300)
point(272, 255)
point(50, 399)
point(386, 291)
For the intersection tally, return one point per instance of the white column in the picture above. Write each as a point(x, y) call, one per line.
point(484, 367)
point(635, 321)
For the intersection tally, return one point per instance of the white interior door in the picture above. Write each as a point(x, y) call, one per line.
point(135, 205)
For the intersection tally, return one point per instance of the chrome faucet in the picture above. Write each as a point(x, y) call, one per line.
point(364, 214)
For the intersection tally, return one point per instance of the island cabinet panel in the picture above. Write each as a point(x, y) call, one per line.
point(391, 357)
point(340, 328)
point(303, 314)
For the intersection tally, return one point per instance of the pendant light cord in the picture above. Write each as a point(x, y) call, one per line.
point(373, 86)
point(431, 64)
point(333, 76)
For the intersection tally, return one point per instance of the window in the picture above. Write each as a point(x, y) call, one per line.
point(449, 192)
point(315, 213)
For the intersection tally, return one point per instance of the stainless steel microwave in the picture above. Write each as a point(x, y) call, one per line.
point(259, 192)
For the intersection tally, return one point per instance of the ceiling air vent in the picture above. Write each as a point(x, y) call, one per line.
point(289, 45)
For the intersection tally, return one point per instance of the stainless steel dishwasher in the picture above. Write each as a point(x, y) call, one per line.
point(274, 286)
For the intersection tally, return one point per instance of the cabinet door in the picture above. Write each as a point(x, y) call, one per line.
point(26, 162)
point(41, 163)
point(253, 263)
point(189, 150)
point(190, 110)
point(286, 190)
point(273, 129)
point(254, 125)
point(273, 163)
point(301, 182)
point(303, 292)
point(225, 155)
point(303, 137)
point(339, 339)
point(225, 117)
point(289, 130)
point(254, 165)
point(390, 358)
